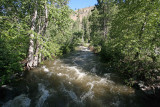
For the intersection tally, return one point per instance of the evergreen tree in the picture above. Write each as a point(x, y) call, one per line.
point(101, 20)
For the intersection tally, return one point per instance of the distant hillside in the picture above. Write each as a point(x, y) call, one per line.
point(81, 13)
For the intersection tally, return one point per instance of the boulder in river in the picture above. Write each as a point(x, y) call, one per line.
point(6, 93)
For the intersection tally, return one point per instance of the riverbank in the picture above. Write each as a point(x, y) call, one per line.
point(150, 89)
point(10, 91)
point(77, 79)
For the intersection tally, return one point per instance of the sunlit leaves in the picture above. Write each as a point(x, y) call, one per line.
point(15, 24)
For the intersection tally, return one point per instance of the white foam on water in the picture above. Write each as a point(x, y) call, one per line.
point(107, 75)
point(19, 101)
point(44, 95)
point(80, 74)
point(45, 69)
point(94, 69)
point(58, 68)
point(50, 74)
point(105, 81)
point(85, 49)
point(91, 84)
point(71, 94)
point(89, 94)
point(60, 74)
point(102, 81)
point(62, 66)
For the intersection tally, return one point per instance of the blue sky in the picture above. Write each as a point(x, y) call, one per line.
point(77, 4)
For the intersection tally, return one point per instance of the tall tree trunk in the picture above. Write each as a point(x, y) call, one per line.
point(46, 19)
point(105, 30)
point(35, 61)
point(31, 42)
point(37, 58)
point(83, 37)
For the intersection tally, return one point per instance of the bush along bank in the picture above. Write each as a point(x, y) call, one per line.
point(138, 73)
point(128, 35)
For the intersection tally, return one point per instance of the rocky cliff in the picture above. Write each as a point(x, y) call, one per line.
point(81, 13)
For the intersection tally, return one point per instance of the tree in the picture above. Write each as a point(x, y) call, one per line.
point(101, 20)
point(128, 33)
point(133, 38)
point(86, 29)
point(45, 14)
point(31, 32)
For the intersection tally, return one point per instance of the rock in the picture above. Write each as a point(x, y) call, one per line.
point(157, 79)
point(6, 93)
point(149, 91)
point(152, 91)
point(141, 84)
point(1, 103)
point(19, 101)
point(7, 87)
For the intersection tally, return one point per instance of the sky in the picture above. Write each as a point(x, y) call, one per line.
point(78, 4)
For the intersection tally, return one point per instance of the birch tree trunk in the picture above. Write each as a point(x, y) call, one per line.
point(31, 42)
point(37, 58)
point(35, 61)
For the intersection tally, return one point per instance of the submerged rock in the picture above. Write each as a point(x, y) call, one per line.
point(6, 93)
point(19, 101)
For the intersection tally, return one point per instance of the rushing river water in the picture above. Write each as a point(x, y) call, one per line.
point(77, 80)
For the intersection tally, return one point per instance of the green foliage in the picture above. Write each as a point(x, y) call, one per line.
point(61, 39)
point(100, 21)
point(132, 43)
point(86, 29)
point(13, 48)
point(16, 21)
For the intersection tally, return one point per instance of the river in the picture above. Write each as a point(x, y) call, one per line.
point(76, 80)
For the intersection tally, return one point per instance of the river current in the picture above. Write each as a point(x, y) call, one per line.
point(77, 80)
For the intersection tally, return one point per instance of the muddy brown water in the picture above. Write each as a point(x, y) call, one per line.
point(77, 80)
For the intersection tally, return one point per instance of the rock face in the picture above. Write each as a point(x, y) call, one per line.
point(81, 13)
